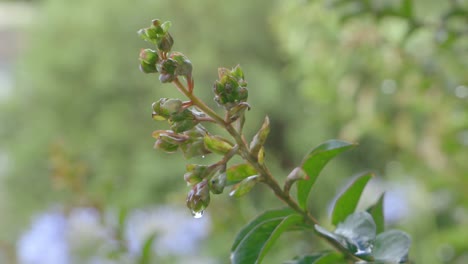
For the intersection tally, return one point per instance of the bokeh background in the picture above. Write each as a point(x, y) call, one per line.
point(81, 183)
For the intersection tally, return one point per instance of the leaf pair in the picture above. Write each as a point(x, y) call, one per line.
point(255, 239)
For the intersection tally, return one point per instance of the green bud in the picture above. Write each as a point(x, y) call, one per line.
point(261, 156)
point(297, 174)
point(147, 68)
point(230, 89)
point(184, 66)
point(184, 125)
point(195, 173)
point(237, 111)
point(165, 43)
point(166, 144)
point(260, 138)
point(198, 198)
point(166, 108)
point(193, 148)
point(149, 56)
point(238, 73)
point(218, 182)
point(244, 186)
point(217, 144)
point(167, 69)
point(223, 72)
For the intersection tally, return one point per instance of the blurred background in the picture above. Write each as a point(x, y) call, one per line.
point(81, 183)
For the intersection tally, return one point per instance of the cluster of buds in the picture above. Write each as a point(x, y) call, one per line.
point(169, 65)
point(185, 119)
point(231, 88)
point(204, 179)
point(179, 117)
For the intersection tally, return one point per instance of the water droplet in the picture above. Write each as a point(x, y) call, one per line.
point(198, 214)
point(203, 156)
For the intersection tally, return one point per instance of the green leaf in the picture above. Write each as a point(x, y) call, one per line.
point(239, 172)
point(377, 212)
point(313, 164)
point(244, 187)
point(347, 201)
point(256, 243)
point(392, 246)
point(216, 144)
point(262, 217)
point(359, 232)
point(319, 258)
point(145, 257)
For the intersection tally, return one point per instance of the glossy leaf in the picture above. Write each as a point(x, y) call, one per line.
point(254, 246)
point(313, 164)
point(377, 212)
point(259, 219)
point(347, 201)
point(392, 246)
point(359, 232)
point(239, 172)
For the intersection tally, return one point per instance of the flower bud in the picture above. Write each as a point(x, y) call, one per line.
point(260, 138)
point(166, 145)
point(198, 198)
point(183, 125)
point(147, 68)
point(230, 89)
point(297, 174)
point(158, 34)
point(217, 183)
point(166, 108)
point(168, 141)
point(184, 66)
point(244, 186)
point(237, 111)
point(167, 69)
point(165, 43)
point(195, 173)
point(149, 56)
point(194, 146)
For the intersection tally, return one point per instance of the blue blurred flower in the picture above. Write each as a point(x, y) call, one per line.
point(46, 241)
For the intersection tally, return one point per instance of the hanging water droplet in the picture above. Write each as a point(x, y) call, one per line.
point(198, 214)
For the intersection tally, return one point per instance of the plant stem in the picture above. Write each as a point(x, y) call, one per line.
point(264, 173)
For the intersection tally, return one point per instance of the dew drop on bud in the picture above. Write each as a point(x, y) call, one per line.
point(198, 214)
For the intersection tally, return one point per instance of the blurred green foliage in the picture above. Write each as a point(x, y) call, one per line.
point(402, 96)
